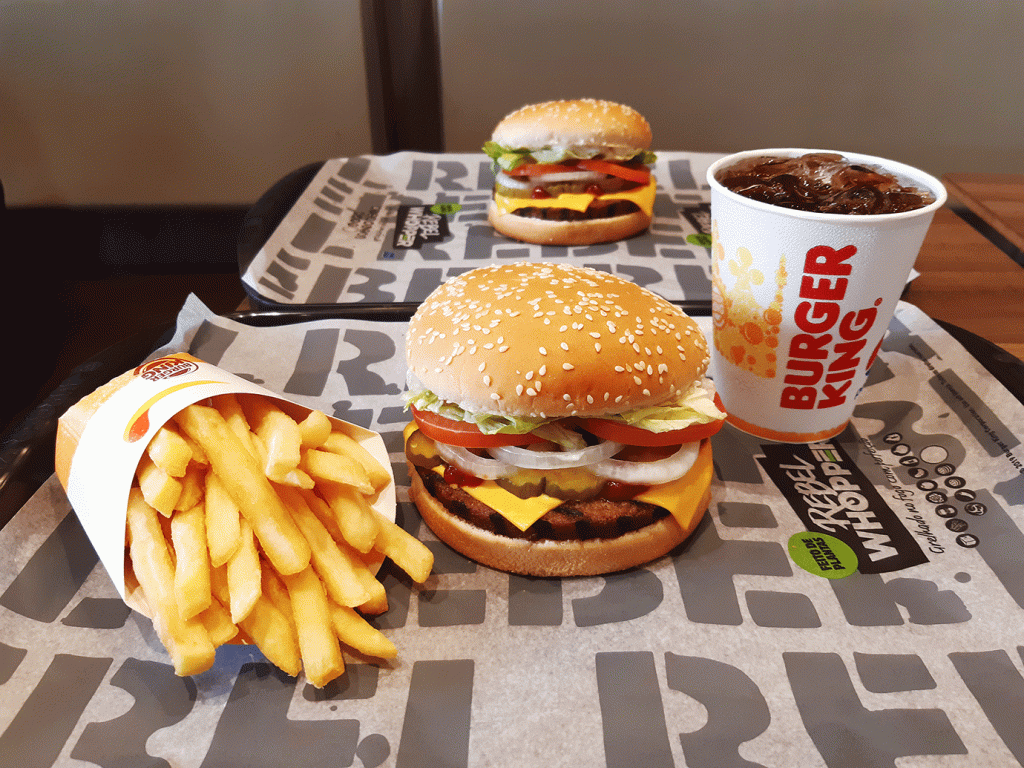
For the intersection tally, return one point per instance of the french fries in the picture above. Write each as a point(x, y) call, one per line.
point(249, 525)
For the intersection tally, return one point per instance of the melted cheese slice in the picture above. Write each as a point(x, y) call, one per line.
point(681, 497)
point(643, 197)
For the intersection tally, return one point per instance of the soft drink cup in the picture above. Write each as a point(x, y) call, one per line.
point(801, 301)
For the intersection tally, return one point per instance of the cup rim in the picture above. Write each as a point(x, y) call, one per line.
point(901, 170)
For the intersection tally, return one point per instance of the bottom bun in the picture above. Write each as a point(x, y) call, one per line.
point(551, 558)
point(554, 232)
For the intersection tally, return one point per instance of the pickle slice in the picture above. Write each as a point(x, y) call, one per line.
point(524, 483)
point(422, 451)
point(574, 483)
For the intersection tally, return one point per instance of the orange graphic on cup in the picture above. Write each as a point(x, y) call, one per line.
point(745, 333)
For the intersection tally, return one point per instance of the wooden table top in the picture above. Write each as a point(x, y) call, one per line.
point(996, 198)
point(966, 280)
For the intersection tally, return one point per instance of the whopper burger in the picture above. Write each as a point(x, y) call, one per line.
point(571, 172)
point(561, 418)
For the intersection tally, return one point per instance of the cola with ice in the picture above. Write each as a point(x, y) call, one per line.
point(823, 182)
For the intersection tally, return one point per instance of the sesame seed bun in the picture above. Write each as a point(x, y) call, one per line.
point(547, 340)
point(574, 122)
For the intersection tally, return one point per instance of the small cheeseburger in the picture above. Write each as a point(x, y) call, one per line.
point(571, 173)
point(561, 419)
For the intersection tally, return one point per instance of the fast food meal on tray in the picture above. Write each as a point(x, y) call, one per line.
point(228, 515)
point(561, 418)
point(571, 172)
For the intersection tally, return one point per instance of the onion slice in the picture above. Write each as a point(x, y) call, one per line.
point(557, 178)
point(583, 457)
point(469, 462)
point(650, 472)
point(507, 181)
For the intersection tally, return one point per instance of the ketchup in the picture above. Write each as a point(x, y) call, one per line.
point(539, 193)
point(616, 491)
point(455, 476)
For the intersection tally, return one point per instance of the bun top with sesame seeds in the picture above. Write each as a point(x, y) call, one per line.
point(548, 341)
point(575, 123)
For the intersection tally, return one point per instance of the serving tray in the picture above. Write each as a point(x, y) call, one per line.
point(726, 652)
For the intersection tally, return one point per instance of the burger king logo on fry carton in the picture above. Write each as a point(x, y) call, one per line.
point(165, 368)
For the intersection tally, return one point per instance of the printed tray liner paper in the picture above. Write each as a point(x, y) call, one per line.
point(392, 228)
point(742, 647)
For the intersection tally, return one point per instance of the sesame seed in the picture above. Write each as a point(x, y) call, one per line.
point(564, 346)
point(567, 366)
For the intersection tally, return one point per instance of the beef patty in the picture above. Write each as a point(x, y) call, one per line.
point(569, 521)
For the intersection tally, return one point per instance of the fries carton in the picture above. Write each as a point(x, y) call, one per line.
point(102, 439)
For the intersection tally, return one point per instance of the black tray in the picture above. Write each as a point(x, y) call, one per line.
point(270, 210)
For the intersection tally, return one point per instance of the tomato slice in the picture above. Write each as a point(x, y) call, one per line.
point(629, 435)
point(463, 434)
point(624, 433)
point(638, 173)
point(635, 173)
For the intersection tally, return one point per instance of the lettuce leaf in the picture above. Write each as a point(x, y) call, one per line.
point(696, 406)
point(509, 158)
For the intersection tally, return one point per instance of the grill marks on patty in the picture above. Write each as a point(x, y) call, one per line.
point(569, 521)
point(595, 211)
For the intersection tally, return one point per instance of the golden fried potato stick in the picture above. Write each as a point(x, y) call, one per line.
point(330, 562)
point(169, 451)
point(244, 480)
point(193, 486)
point(278, 432)
point(187, 641)
point(294, 477)
point(198, 455)
point(243, 573)
point(365, 567)
point(405, 550)
point(359, 635)
point(266, 626)
point(356, 519)
point(160, 490)
point(336, 468)
point(192, 562)
point(321, 654)
point(339, 442)
point(231, 409)
point(275, 591)
point(217, 620)
point(315, 429)
point(223, 527)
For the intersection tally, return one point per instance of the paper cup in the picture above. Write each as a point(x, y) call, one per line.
point(801, 301)
point(101, 440)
